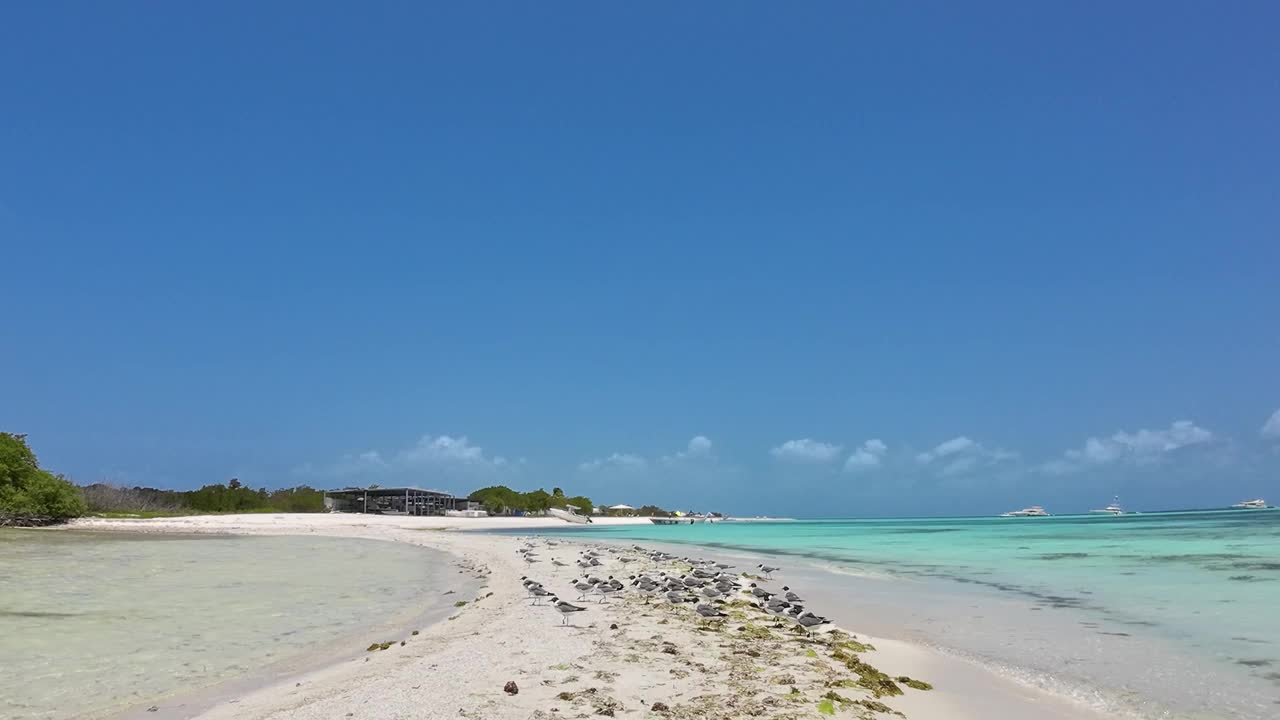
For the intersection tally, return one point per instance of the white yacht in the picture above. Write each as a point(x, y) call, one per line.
point(1258, 504)
point(1112, 509)
point(1033, 511)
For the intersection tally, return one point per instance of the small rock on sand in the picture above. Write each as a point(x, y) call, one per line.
point(511, 688)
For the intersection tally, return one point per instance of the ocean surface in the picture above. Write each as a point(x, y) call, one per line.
point(1163, 615)
point(92, 623)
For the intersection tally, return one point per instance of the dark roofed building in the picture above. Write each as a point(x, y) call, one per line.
point(395, 501)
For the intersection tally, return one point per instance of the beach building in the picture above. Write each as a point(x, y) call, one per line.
point(395, 501)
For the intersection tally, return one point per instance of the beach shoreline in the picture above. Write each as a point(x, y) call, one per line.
point(457, 667)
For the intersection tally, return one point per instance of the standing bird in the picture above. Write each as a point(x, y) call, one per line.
point(708, 611)
point(809, 621)
point(768, 570)
point(564, 609)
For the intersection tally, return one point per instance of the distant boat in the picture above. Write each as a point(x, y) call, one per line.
point(1258, 504)
point(1112, 509)
point(568, 515)
point(1033, 511)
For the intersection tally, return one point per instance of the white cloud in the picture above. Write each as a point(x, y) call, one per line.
point(806, 450)
point(962, 454)
point(867, 456)
point(1144, 447)
point(698, 451)
point(443, 456)
point(699, 448)
point(444, 448)
point(622, 461)
point(1271, 428)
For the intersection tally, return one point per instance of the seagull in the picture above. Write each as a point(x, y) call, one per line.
point(564, 609)
point(605, 589)
point(809, 621)
point(790, 595)
point(538, 593)
point(557, 563)
point(583, 587)
point(707, 611)
point(768, 571)
point(760, 592)
point(711, 593)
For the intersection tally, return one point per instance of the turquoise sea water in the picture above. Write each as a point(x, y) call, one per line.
point(1158, 615)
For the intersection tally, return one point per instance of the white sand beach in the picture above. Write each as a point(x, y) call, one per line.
point(624, 657)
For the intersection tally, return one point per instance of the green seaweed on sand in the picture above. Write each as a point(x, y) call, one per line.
point(873, 679)
point(460, 603)
point(840, 639)
point(755, 632)
point(874, 706)
point(826, 707)
point(810, 652)
point(914, 684)
point(877, 706)
point(380, 646)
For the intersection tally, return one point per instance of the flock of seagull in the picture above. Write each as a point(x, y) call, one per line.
point(708, 584)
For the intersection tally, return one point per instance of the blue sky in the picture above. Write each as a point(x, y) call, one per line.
point(903, 259)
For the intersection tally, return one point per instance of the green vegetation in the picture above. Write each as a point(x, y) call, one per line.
point(914, 684)
point(873, 679)
point(233, 497)
point(500, 499)
point(29, 494)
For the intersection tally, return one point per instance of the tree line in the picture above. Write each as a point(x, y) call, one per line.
point(30, 495)
point(500, 499)
point(231, 497)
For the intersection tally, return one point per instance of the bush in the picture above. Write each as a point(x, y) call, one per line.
point(499, 499)
point(103, 497)
point(27, 491)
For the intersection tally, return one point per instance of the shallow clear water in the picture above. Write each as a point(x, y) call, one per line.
point(1161, 615)
point(94, 622)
